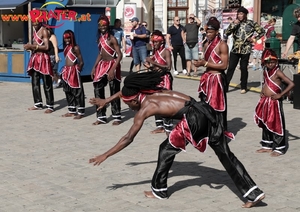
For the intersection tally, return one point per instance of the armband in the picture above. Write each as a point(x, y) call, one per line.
point(37, 47)
point(205, 65)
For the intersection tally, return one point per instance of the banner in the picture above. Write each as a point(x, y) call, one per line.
point(129, 13)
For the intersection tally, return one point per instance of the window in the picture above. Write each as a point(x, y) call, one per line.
point(177, 8)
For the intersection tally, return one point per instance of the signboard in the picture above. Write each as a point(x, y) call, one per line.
point(129, 13)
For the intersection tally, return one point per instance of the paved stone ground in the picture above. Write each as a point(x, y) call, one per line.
point(44, 159)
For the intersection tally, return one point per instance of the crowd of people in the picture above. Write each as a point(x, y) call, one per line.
point(150, 92)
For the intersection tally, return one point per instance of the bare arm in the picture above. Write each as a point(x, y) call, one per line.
point(123, 44)
point(287, 80)
point(167, 56)
point(216, 66)
point(125, 140)
point(288, 45)
point(168, 36)
point(102, 102)
point(79, 56)
point(111, 73)
point(53, 39)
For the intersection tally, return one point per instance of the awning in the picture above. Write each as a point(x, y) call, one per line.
point(11, 4)
point(92, 3)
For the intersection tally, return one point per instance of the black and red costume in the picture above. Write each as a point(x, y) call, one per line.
point(72, 83)
point(100, 81)
point(212, 86)
point(166, 83)
point(39, 67)
point(199, 125)
point(270, 117)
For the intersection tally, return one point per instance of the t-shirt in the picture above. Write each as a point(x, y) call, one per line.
point(139, 41)
point(259, 44)
point(175, 33)
point(191, 32)
point(119, 34)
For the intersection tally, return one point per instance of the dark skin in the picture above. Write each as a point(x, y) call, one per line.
point(221, 50)
point(266, 91)
point(103, 55)
point(166, 103)
point(76, 51)
point(43, 34)
point(159, 67)
point(165, 54)
point(34, 47)
point(277, 78)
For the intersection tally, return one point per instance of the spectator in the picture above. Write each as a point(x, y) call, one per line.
point(270, 27)
point(242, 30)
point(295, 33)
point(138, 38)
point(175, 44)
point(257, 52)
point(148, 33)
point(118, 32)
point(190, 40)
point(228, 39)
point(54, 58)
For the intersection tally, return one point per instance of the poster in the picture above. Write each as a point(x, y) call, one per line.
point(129, 13)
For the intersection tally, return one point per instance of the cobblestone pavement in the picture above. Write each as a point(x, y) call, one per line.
point(44, 159)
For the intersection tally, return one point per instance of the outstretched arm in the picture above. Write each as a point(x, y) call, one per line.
point(123, 142)
point(102, 102)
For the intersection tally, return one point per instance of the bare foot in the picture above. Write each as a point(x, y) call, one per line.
point(78, 116)
point(149, 194)
point(275, 154)
point(251, 204)
point(69, 115)
point(158, 130)
point(262, 150)
point(115, 123)
point(35, 108)
point(98, 122)
point(48, 111)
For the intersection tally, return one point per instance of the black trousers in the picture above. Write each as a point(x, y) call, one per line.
point(99, 91)
point(36, 89)
point(233, 166)
point(75, 97)
point(180, 50)
point(272, 140)
point(233, 61)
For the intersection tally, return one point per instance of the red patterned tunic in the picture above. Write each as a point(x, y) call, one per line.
point(103, 66)
point(267, 111)
point(157, 57)
point(39, 61)
point(71, 74)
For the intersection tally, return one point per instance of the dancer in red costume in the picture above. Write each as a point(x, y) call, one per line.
point(160, 60)
point(198, 125)
point(212, 83)
point(269, 112)
point(39, 67)
point(72, 83)
point(107, 71)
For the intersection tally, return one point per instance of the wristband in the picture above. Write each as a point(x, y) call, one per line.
point(37, 47)
point(205, 65)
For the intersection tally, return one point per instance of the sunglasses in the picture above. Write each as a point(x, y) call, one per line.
point(177, 20)
point(144, 25)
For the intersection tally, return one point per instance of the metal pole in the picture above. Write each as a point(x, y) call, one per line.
point(197, 8)
point(29, 24)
